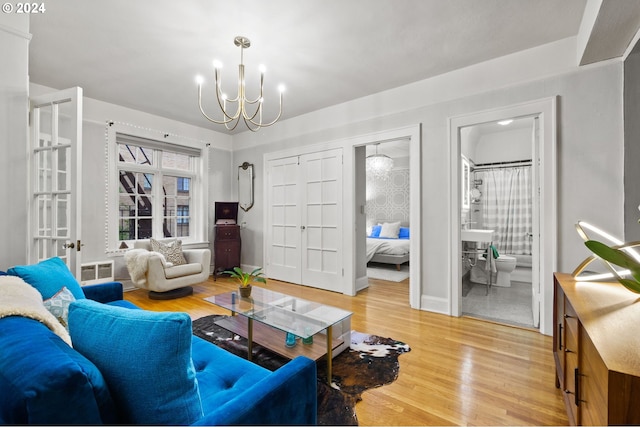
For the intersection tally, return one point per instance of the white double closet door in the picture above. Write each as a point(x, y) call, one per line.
point(304, 220)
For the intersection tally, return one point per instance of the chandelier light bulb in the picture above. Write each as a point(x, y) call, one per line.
point(199, 80)
point(262, 69)
point(282, 89)
point(217, 64)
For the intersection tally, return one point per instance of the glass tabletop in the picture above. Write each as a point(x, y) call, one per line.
point(285, 312)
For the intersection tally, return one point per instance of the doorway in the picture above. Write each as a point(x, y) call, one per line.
point(499, 187)
point(543, 246)
point(387, 210)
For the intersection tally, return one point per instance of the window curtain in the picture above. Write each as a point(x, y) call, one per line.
point(507, 207)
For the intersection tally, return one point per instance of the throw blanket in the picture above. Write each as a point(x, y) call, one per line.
point(138, 262)
point(18, 298)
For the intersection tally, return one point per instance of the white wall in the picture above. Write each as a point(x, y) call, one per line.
point(503, 146)
point(14, 93)
point(589, 118)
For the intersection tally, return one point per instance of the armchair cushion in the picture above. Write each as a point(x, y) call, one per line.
point(145, 358)
point(40, 277)
point(172, 252)
point(182, 270)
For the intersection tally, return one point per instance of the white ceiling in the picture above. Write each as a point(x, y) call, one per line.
point(145, 54)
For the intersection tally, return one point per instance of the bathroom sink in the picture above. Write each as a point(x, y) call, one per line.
point(476, 235)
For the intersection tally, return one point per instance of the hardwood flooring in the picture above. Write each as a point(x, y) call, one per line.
point(460, 371)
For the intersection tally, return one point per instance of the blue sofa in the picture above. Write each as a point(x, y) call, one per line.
point(132, 366)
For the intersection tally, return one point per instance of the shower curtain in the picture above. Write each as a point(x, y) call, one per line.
point(507, 207)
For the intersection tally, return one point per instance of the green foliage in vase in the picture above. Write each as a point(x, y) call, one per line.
point(245, 278)
point(621, 259)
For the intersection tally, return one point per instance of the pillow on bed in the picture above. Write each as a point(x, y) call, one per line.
point(390, 230)
point(375, 231)
point(403, 233)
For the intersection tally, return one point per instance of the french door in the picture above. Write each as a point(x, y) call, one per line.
point(304, 220)
point(55, 171)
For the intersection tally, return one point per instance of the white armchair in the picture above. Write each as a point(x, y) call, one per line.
point(162, 279)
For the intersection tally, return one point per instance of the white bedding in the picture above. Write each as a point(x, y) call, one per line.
point(386, 246)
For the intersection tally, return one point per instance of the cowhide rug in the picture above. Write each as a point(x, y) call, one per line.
point(371, 361)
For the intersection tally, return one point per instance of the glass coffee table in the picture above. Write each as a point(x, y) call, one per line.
point(276, 314)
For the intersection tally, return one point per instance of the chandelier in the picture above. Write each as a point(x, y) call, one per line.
point(379, 165)
point(230, 118)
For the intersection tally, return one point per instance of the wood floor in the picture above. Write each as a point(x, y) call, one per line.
point(460, 371)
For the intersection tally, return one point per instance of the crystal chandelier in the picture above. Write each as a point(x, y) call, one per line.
point(379, 165)
point(231, 119)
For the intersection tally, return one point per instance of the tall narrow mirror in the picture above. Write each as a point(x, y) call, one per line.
point(245, 186)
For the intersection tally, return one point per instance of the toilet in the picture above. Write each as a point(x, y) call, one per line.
point(505, 265)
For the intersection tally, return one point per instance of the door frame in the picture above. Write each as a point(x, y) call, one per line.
point(545, 110)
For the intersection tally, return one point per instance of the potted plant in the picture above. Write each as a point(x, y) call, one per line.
point(245, 279)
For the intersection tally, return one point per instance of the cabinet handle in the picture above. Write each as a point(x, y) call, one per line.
point(566, 316)
point(560, 336)
point(576, 380)
point(566, 350)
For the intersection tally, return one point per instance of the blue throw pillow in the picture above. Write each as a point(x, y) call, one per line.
point(375, 231)
point(404, 233)
point(145, 358)
point(48, 277)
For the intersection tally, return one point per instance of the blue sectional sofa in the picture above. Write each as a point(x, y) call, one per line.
point(132, 366)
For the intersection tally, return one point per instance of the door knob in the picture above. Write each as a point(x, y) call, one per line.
point(68, 246)
point(302, 227)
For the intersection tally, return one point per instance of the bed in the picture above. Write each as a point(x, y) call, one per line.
point(388, 243)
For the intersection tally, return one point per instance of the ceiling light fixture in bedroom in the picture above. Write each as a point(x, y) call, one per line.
point(230, 119)
point(379, 165)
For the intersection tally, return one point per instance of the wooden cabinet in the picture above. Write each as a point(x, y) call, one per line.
point(226, 248)
point(597, 351)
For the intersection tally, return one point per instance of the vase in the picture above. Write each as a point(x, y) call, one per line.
point(245, 291)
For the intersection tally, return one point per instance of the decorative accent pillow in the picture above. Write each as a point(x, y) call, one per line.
point(145, 358)
point(58, 305)
point(48, 277)
point(404, 233)
point(390, 230)
point(375, 231)
point(171, 252)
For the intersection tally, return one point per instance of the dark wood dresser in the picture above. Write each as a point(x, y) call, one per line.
point(226, 241)
point(596, 346)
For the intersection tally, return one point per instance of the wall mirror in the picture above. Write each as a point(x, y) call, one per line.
point(245, 186)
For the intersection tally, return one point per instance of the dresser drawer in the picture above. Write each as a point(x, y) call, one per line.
point(227, 232)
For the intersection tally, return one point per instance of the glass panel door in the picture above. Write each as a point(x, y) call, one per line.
point(55, 162)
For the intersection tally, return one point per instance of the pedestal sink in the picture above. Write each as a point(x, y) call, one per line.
point(476, 235)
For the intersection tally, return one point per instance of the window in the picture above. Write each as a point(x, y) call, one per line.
point(159, 191)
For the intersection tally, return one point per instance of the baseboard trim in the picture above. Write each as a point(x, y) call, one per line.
point(434, 304)
point(362, 283)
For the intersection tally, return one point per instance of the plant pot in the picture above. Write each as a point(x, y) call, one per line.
point(245, 291)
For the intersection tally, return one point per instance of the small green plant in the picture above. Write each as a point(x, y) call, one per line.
point(245, 278)
point(621, 259)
